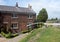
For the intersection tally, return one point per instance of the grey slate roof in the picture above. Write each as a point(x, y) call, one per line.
point(16, 9)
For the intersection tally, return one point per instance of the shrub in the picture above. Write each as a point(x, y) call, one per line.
point(3, 34)
point(9, 35)
point(6, 35)
point(30, 29)
point(25, 31)
point(41, 24)
point(14, 35)
point(38, 25)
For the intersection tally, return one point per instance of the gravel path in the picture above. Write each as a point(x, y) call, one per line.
point(3, 39)
point(16, 39)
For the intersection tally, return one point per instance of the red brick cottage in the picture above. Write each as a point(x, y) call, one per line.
point(17, 18)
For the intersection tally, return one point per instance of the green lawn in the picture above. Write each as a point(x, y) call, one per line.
point(51, 34)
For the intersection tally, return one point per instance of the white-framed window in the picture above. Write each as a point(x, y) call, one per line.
point(14, 25)
point(30, 16)
point(14, 16)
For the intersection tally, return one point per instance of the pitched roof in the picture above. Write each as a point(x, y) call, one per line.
point(16, 9)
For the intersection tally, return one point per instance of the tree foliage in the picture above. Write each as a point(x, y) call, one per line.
point(42, 16)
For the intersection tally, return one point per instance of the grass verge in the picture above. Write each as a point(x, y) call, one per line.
point(31, 34)
point(50, 34)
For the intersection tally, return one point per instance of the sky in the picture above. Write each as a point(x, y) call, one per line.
point(52, 6)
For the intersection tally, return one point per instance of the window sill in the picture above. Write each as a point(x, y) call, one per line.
point(15, 28)
point(14, 17)
point(30, 18)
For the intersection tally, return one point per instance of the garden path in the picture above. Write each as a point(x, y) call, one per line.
point(16, 39)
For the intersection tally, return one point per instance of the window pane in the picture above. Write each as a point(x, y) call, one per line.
point(15, 25)
point(14, 15)
point(30, 16)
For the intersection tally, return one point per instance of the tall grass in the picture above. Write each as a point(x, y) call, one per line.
point(32, 33)
point(50, 34)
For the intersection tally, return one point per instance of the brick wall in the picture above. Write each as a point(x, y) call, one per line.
point(22, 21)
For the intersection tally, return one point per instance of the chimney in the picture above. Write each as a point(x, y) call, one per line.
point(16, 4)
point(29, 6)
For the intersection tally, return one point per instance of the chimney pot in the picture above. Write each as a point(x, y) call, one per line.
point(29, 6)
point(16, 4)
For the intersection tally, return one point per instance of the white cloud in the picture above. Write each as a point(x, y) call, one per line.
point(52, 7)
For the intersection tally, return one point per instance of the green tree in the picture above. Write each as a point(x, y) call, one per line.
point(56, 18)
point(42, 16)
